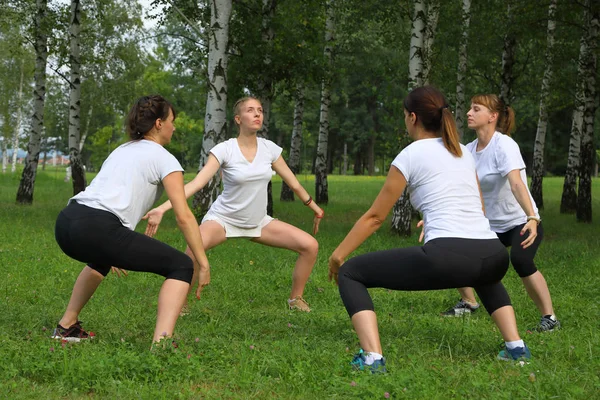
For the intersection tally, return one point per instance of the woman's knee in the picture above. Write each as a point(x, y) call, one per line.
point(181, 268)
point(522, 263)
point(310, 246)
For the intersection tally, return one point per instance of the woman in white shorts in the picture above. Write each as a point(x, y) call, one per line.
point(247, 164)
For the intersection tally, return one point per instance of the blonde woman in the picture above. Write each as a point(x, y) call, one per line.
point(247, 164)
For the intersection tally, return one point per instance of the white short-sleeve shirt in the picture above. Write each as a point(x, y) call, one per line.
point(444, 188)
point(243, 202)
point(494, 162)
point(129, 182)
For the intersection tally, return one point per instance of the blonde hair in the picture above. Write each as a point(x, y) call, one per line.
point(238, 104)
point(506, 115)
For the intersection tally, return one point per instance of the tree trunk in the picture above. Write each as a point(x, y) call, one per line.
point(215, 118)
point(265, 83)
point(540, 136)
point(294, 161)
point(26, 186)
point(568, 202)
point(372, 108)
point(321, 186)
point(15, 143)
point(433, 13)
point(87, 128)
point(345, 160)
point(77, 171)
point(6, 134)
point(461, 73)
point(402, 212)
point(588, 153)
point(508, 60)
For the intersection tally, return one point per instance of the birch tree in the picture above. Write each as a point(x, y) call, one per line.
point(265, 80)
point(540, 136)
point(508, 59)
point(215, 120)
point(402, 212)
point(588, 153)
point(461, 73)
point(15, 141)
point(294, 159)
point(321, 186)
point(77, 171)
point(433, 13)
point(26, 186)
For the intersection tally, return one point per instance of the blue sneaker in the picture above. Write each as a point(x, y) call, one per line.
point(515, 354)
point(358, 363)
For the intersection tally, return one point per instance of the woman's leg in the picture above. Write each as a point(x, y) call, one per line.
point(170, 301)
point(213, 234)
point(86, 284)
point(280, 234)
point(365, 325)
point(505, 320)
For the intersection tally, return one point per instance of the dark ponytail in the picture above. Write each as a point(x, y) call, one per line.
point(144, 113)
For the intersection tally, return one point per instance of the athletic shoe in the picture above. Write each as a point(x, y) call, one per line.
point(515, 354)
point(73, 334)
point(358, 363)
point(548, 323)
point(298, 303)
point(461, 308)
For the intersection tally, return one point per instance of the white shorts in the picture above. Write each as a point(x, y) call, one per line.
point(235, 231)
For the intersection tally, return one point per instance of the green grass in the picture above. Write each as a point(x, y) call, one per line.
point(240, 341)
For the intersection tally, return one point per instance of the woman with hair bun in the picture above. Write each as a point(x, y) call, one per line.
point(459, 245)
point(247, 164)
point(509, 206)
point(97, 226)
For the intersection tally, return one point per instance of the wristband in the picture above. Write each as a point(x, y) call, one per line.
point(320, 216)
point(534, 218)
point(307, 202)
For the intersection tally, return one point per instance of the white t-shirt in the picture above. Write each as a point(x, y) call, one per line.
point(129, 182)
point(494, 162)
point(243, 202)
point(444, 188)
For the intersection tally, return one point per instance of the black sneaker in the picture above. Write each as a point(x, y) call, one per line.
point(461, 308)
point(548, 323)
point(73, 334)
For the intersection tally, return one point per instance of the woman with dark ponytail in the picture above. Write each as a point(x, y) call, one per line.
point(97, 226)
point(459, 244)
point(509, 206)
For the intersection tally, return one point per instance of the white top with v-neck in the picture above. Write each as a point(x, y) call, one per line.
point(243, 202)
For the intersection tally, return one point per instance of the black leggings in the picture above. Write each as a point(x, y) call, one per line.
point(520, 258)
point(441, 263)
point(97, 238)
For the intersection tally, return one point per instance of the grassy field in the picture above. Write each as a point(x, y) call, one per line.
point(241, 342)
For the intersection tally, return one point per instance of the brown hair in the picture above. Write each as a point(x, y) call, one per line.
point(506, 115)
point(144, 112)
point(431, 108)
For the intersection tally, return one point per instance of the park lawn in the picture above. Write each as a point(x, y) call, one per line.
point(240, 341)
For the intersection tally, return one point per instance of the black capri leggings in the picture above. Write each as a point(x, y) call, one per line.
point(441, 263)
point(97, 238)
point(520, 258)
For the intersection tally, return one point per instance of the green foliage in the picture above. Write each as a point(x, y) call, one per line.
point(240, 342)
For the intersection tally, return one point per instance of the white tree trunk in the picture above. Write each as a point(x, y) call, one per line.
point(294, 160)
point(508, 59)
point(568, 202)
point(87, 128)
point(321, 186)
point(77, 172)
point(540, 136)
point(15, 143)
point(461, 73)
point(588, 153)
point(402, 212)
point(433, 13)
point(417, 36)
point(215, 119)
point(26, 186)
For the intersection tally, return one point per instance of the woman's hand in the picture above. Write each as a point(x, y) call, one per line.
point(118, 271)
point(421, 225)
point(203, 278)
point(154, 217)
point(317, 220)
point(531, 227)
point(334, 267)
